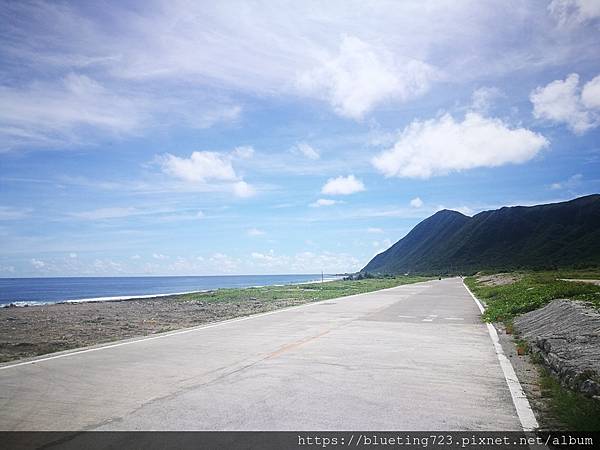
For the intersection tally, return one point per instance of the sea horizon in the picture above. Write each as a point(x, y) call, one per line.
point(32, 291)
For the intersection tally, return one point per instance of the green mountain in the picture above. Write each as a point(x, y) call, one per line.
point(565, 234)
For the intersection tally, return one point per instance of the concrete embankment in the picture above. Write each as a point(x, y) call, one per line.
point(566, 334)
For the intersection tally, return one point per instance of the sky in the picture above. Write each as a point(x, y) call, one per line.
point(207, 138)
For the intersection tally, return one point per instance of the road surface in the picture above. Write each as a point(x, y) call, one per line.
point(415, 357)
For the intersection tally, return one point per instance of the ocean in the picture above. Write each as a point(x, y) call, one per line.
point(36, 291)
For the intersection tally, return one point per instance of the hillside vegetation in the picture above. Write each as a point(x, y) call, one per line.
point(557, 235)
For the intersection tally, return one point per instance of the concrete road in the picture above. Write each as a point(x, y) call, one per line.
point(415, 357)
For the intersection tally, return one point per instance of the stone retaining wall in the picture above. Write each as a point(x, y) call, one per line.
point(566, 334)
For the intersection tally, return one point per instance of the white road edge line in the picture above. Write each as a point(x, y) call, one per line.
point(524, 411)
point(184, 331)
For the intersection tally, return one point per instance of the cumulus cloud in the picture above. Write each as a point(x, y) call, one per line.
point(199, 167)
point(307, 151)
point(416, 202)
point(224, 263)
point(38, 264)
point(562, 101)
point(306, 262)
point(374, 230)
point(444, 145)
point(323, 202)
point(174, 57)
point(590, 95)
point(343, 186)
point(362, 76)
point(204, 167)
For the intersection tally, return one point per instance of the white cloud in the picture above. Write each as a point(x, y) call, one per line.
point(243, 152)
point(306, 262)
point(107, 266)
point(199, 167)
point(173, 54)
point(243, 190)
point(362, 76)
point(307, 151)
point(343, 186)
point(7, 269)
point(560, 101)
point(38, 264)
point(76, 108)
point(467, 211)
point(255, 232)
point(590, 95)
point(159, 256)
point(483, 98)
point(570, 183)
point(224, 263)
point(374, 230)
point(323, 202)
point(416, 202)
point(43, 112)
point(443, 145)
point(210, 168)
point(136, 257)
point(73, 255)
point(574, 11)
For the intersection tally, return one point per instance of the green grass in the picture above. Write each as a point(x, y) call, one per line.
point(575, 411)
point(302, 292)
point(532, 291)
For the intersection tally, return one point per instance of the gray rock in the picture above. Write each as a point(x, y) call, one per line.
point(566, 334)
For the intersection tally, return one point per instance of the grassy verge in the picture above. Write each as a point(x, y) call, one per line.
point(526, 292)
point(302, 292)
point(575, 411)
point(532, 291)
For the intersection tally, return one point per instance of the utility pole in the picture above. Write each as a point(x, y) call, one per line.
point(321, 275)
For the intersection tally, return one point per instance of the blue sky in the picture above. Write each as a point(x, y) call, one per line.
point(182, 138)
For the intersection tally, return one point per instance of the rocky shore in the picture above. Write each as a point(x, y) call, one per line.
point(36, 330)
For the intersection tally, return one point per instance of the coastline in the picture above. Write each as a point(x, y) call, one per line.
point(42, 329)
point(35, 303)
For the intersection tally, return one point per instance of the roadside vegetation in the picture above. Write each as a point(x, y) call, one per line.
point(575, 411)
point(302, 293)
point(532, 290)
point(508, 295)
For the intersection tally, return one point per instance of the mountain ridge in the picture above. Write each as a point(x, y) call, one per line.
point(562, 234)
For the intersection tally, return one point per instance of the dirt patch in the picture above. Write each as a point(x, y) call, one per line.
point(499, 279)
point(36, 330)
point(582, 280)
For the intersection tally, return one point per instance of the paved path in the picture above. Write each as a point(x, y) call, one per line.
point(416, 357)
